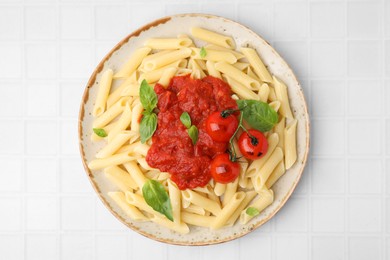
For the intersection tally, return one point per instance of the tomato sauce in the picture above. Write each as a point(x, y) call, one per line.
point(172, 149)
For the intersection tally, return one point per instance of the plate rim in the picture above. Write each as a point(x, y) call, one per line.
point(85, 98)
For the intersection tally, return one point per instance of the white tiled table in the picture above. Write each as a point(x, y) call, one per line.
point(341, 53)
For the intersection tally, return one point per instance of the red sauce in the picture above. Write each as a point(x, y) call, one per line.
point(172, 149)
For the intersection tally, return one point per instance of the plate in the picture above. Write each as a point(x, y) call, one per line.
point(171, 26)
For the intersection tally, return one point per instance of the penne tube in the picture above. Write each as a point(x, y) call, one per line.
point(120, 178)
point(266, 197)
point(240, 89)
point(122, 124)
point(249, 195)
point(167, 76)
point(201, 201)
point(133, 62)
point(104, 90)
point(241, 65)
point(174, 196)
point(275, 175)
point(117, 93)
point(131, 90)
point(142, 162)
point(228, 210)
point(219, 189)
point(129, 210)
point(183, 72)
point(212, 37)
point(275, 105)
point(182, 228)
point(263, 92)
point(282, 96)
point(231, 189)
point(197, 220)
point(237, 75)
point(210, 66)
point(136, 173)
point(195, 210)
point(115, 159)
point(185, 203)
point(168, 43)
point(107, 129)
point(136, 114)
point(272, 95)
point(290, 144)
point(261, 177)
point(141, 148)
point(197, 72)
point(257, 64)
point(237, 54)
point(120, 139)
point(213, 55)
point(279, 129)
point(111, 113)
point(155, 75)
point(165, 59)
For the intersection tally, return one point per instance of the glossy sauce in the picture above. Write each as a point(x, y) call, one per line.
point(172, 149)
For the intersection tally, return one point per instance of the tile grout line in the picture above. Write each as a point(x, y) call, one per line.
point(346, 129)
point(383, 165)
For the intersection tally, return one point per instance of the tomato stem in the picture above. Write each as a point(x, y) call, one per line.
point(228, 112)
point(233, 154)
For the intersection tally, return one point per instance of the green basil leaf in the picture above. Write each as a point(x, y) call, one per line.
point(147, 126)
point(100, 132)
point(157, 197)
point(147, 96)
point(252, 211)
point(203, 52)
point(193, 133)
point(185, 119)
point(258, 114)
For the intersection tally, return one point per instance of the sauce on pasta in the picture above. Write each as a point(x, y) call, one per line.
point(172, 149)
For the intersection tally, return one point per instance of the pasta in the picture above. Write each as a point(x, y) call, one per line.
point(118, 112)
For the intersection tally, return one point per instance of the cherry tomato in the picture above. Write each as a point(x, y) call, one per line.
point(254, 145)
point(221, 128)
point(223, 170)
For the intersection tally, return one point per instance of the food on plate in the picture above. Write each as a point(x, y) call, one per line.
point(193, 135)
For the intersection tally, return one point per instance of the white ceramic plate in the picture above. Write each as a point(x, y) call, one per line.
point(171, 27)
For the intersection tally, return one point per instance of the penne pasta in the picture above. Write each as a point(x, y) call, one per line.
point(263, 92)
point(111, 113)
point(167, 58)
point(212, 37)
point(120, 139)
point(257, 64)
point(290, 144)
point(197, 220)
point(228, 210)
point(237, 75)
point(281, 95)
point(275, 175)
point(104, 90)
point(133, 62)
point(122, 124)
point(112, 160)
point(213, 55)
point(199, 200)
point(265, 198)
point(168, 43)
point(129, 210)
point(136, 173)
point(120, 178)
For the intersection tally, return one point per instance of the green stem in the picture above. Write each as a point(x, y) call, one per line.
point(233, 156)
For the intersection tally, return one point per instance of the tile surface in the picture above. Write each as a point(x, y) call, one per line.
point(340, 52)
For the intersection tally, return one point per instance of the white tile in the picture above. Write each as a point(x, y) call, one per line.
point(290, 20)
point(364, 215)
point(109, 17)
point(11, 25)
point(41, 246)
point(303, 184)
point(251, 245)
point(387, 215)
point(327, 98)
point(41, 137)
point(11, 60)
point(327, 20)
point(387, 96)
point(111, 247)
point(364, 58)
point(359, 182)
point(364, 136)
point(41, 22)
point(12, 247)
point(295, 54)
point(362, 248)
point(328, 176)
point(155, 250)
point(357, 95)
point(11, 140)
point(325, 130)
point(328, 214)
point(387, 58)
point(230, 248)
point(145, 13)
point(41, 61)
point(183, 252)
point(11, 214)
point(10, 174)
point(70, 98)
point(387, 175)
point(77, 213)
point(76, 22)
point(387, 136)
point(387, 248)
point(364, 20)
point(9, 93)
point(82, 53)
point(42, 213)
point(325, 248)
point(257, 17)
point(69, 137)
point(327, 58)
point(292, 247)
point(105, 220)
point(228, 10)
point(387, 19)
point(41, 175)
point(101, 49)
point(171, 9)
point(293, 217)
point(42, 99)
point(77, 246)
point(73, 176)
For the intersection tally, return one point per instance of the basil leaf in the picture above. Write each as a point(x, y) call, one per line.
point(147, 126)
point(203, 52)
point(185, 119)
point(147, 96)
point(252, 211)
point(157, 197)
point(258, 114)
point(100, 132)
point(193, 133)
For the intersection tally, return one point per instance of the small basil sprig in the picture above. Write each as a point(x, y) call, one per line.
point(191, 129)
point(203, 52)
point(100, 132)
point(149, 120)
point(251, 211)
point(157, 197)
point(259, 115)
